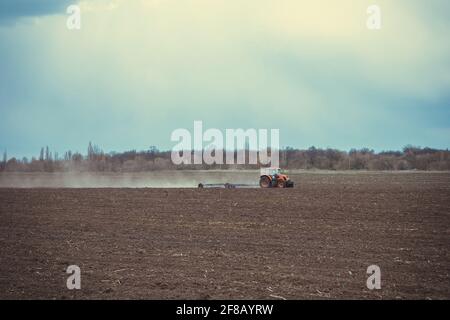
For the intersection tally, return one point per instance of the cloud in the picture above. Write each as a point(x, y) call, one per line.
point(11, 10)
point(133, 74)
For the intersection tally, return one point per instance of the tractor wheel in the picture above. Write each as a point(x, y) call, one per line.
point(281, 184)
point(264, 182)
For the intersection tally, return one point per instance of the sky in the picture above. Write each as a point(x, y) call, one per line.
point(139, 69)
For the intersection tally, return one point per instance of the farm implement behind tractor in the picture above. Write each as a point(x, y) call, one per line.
point(226, 185)
point(269, 178)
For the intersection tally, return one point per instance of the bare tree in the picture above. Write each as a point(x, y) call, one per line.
point(47, 154)
point(5, 159)
point(90, 152)
point(41, 155)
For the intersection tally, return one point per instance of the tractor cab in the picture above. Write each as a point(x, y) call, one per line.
point(273, 171)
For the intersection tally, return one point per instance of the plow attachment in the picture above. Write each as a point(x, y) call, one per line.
point(227, 185)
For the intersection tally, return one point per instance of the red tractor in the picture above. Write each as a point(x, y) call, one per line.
point(273, 178)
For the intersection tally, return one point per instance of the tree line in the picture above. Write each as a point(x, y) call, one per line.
point(95, 160)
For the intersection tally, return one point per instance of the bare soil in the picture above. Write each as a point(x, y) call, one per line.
point(313, 241)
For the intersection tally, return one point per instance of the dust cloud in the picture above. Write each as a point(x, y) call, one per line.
point(154, 179)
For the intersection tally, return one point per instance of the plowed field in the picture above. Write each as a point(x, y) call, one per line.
point(313, 241)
